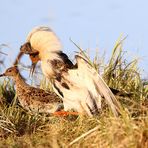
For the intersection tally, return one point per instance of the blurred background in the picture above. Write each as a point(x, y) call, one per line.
point(94, 24)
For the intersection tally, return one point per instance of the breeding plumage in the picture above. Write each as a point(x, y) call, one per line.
point(80, 87)
point(42, 44)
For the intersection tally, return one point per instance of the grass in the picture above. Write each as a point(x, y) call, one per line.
point(19, 128)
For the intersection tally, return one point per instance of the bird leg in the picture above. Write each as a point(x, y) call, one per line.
point(65, 113)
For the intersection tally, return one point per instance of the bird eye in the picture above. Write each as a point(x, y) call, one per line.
point(9, 70)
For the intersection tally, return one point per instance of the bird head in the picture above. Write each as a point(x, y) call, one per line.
point(27, 49)
point(12, 71)
point(41, 39)
point(42, 43)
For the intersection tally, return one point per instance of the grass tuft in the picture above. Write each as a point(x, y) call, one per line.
point(19, 128)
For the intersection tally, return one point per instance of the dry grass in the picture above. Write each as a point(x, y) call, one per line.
point(19, 128)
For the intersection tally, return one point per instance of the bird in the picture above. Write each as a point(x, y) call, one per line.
point(43, 43)
point(33, 99)
point(79, 85)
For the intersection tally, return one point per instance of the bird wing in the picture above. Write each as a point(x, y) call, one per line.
point(43, 96)
point(86, 88)
point(96, 85)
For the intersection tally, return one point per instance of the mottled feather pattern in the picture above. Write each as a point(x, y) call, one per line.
point(34, 99)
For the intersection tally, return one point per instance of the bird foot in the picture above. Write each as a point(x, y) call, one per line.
point(65, 113)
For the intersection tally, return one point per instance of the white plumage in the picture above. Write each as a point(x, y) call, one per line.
point(87, 88)
point(84, 86)
point(44, 40)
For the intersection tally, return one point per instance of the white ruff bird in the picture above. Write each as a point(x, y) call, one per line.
point(80, 87)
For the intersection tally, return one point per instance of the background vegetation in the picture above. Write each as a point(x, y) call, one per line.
point(19, 128)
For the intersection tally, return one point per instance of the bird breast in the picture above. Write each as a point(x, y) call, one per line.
point(51, 65)
point(47, 69)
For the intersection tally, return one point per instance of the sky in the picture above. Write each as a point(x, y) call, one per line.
point(91, 24)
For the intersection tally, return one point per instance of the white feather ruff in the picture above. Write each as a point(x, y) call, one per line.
point(45, 41)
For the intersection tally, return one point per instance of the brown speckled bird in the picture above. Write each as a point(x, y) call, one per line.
point(31, 98)
point(80, 87)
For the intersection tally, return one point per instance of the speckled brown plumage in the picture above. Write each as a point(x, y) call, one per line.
point(31, 98)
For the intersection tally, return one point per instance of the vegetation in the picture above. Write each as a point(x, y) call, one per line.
point(19, 128)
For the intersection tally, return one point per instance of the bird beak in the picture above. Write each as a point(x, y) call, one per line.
point(18, 58)
point(1, 75)
point(34, 58)
point(32, 69)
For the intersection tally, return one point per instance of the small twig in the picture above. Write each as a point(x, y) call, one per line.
point(3, 53)
point(84, 135)
point(1, 62)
